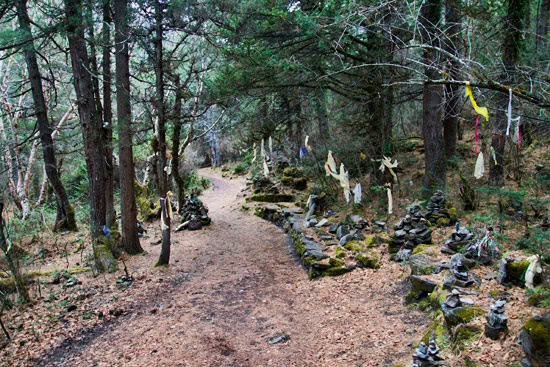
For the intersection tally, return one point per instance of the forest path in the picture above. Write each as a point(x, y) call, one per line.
point(235, 284)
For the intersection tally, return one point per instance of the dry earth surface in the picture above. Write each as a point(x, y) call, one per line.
point(231, 287)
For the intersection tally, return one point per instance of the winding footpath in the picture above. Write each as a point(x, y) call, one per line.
point(234, 285)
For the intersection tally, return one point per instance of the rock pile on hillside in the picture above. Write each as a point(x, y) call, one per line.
point(411, 231)
point(194, 215)
point(460, 237)
point(437, 211)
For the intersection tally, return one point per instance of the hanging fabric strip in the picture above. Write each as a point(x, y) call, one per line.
point(330, 166)
point(519, 135)
point(509, 113)
point(344, 182)
point(303, 152)
point(479, 170)
point(254, 150)
point(262, 150)
point(386, 162)
point(494, 156)
point(357, 194)
point(515, 136)
point(266, 169)
point(479, 110)
point(306, 144)
point(475, 135)
point(270, 143)
point(166, 212)
point(390, 200)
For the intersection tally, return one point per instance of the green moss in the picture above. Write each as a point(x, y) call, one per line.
point(443, 222)
point(293, 171)
point(370, 240)
point(245, 208)
point(335, 271)
point(540, 334)
point(335, 262)
point(299, 183)
point(103, 255)
point(355, 246)
point(368, 260)
point(515, 272)
point(340, 253)
point(437, 296)
point(421, 248)
point(469, 313)
point(441, 334)
point(272, 198)
point(287, 181)
point(453, 214)
point(463, 337)
point(494, 293)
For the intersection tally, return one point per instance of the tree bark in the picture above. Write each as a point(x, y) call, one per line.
point(321, 107)
point(432, 103)
point(452, 95)
point(90, 120)
point(110, 216)
point(542, 25)
point(176, 134)
point(164, 258)
point(510, 52)
point(12, 265)
point(65, 214)
point(130, 240)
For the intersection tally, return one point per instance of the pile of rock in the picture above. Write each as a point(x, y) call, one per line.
point(411, 231)
point(428, 355)
point(437, 211)
point(460, 237)
point(497, 322)
point(194, 215)
point(460, 276)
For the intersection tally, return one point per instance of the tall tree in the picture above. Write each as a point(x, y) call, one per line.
point(452, 96)
point(432, 99)
point(164, 258)
point(65, 215)
point(90, 120)
point(542, 24)
point(110, 216)
point(511, 46)
point(130, 240)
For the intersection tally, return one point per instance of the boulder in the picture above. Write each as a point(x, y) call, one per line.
point(535, 340)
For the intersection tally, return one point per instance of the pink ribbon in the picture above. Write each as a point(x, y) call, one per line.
point(475, 141)
point(519, 136)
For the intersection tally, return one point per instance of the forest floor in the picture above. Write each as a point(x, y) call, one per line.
point(230, 288)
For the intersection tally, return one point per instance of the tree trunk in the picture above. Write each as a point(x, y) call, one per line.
point(176, 134)
point(164, 258)
point(432, 103)
point(130, 240)
point(321, 108)
point(18, 278)
point(542, 26)
point(510, 53)
point(65, 215)
point(110, 216)
point(90, 120)
point(452, 95)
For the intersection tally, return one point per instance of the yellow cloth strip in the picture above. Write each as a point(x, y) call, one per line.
point(479, 110)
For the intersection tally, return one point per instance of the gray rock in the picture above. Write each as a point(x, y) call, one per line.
point(194, 224)
point(347, 238)
point(421, 284)
point(326, 237)
point(356, 219)
point(400, 233)
point(322, 223)
point(403, 255)
point(333, 228)
point(342, 231)
point(182, 226)
point(278, 338)
point(421, 265)
point(312, 222)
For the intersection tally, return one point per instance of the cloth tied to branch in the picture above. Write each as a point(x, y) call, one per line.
point(479, 170)
point(513, 120)
point(357, 193)
point(344, 182)
point(386, 162)
point(262, 150)
point(166, 212)
point(330, 166)
point(390, 199)
point(266, 169)
point(254, 150)
point(479, 110)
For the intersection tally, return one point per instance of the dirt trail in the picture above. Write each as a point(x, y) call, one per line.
point(235, 284)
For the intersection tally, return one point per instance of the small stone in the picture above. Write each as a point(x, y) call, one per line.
point(342, 231)
point(322, 223)
point(71, 308)
point(278, 338)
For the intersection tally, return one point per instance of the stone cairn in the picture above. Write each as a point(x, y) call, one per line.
point(428, 355)
point(452, 305)
point(497, 321)
point(194, 215)
point(436, 210)
point(460, 277)
point(411, 231)
point(459, 237)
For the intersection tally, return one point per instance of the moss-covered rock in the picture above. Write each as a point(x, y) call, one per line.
point(421, 265)
point(423, 248)
point(440, 332)
point(299, 184)
point(535, 340)
point(463, 315)
point(293, 171)
point(370, 240)
point(340, 253)
point(367, 259)
point(103, 255)
point(272, 198)
point(356, 246)
point(437, 296)
point(286, 180)
point(442, 222)
point(463, 336)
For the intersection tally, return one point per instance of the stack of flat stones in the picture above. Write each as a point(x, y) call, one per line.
point(194, 215)
point(436, 210)
point(460, 237)
point(411, 231)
